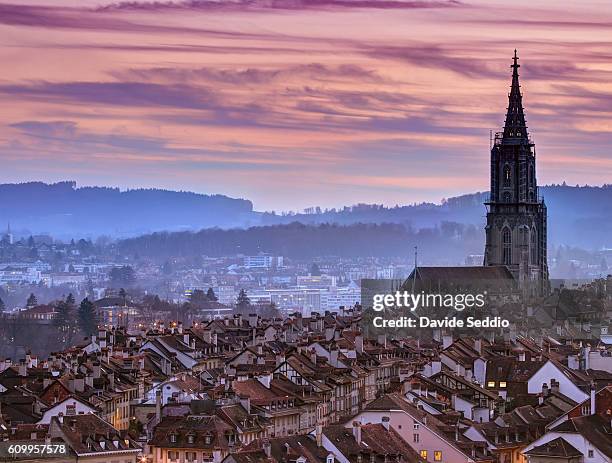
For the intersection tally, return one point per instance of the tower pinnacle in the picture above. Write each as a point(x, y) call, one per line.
point(515, 126)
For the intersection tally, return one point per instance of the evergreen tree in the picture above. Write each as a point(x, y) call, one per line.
point(197, 297)
point(88, 318)
point(167, 268)
point(32, 301)
point(64, 319)
point(123, 275)
point(211, 296)
point(243, 302)
point(315, 271)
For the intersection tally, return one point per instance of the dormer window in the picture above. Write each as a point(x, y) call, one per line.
point(190, 439)
point(173, 438)
point(208, 439)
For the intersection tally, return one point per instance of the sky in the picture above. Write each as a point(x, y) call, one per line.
point(298, 103)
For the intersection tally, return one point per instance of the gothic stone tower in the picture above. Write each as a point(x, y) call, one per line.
point(516, 215)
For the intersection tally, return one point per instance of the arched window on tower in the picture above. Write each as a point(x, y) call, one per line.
point(524, 236)
point(507, 246)
point(507, 197)
point(507, 175)
point(534, 247)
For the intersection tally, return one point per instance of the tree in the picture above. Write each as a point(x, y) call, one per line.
point(211, 296)
point(167, 268)
point(314, 270)
point(32, 301)
point(64, 319)
point(123, 295)
point(88, 317)
point(123, 275)
point(197, 297)
point(243, 302)
point(2, 306)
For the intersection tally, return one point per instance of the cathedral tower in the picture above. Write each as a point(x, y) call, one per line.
point(516, 215)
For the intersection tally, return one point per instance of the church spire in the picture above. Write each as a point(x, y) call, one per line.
point(515, 126)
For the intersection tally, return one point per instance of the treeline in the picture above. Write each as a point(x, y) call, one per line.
point(449, 242)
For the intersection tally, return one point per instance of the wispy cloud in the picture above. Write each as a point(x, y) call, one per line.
point(246, 5)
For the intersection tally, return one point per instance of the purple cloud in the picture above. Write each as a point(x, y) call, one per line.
point(133, 94)
point(250, 76)
point(245, 5)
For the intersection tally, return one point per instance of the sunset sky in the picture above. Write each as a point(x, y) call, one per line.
point(296, 103)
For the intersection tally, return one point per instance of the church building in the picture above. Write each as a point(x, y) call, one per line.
point(515, 249)
point(516, 214)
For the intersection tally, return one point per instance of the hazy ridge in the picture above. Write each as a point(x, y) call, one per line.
point(578, 216)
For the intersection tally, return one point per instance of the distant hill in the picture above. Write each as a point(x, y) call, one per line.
point(63, 210)
point(578, 216)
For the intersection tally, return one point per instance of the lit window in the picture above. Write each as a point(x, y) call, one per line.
point(502, 384)
point(491, 384)
point(438, 455)
point(424, 454)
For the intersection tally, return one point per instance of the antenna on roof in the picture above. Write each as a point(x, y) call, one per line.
point(416, 268)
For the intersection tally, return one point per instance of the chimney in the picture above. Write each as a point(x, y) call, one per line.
point(554, 385)
point(359, 343)
point(478, 345)
point(79, 384)
point(158, 404)
point(593, 395)
point(385, 422)
point(319, 434)
point(313, 356)
point(333, 357)
point(267, 448)
point(544, 390)
point(447, 340)
point(357, 432)
point(253, 320)
point(23, 368)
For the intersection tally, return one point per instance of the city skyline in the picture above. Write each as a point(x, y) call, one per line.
point(294, 104)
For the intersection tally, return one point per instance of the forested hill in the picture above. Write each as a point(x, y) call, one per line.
point(448, 243)
point(577, 216)
point(63, 210)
